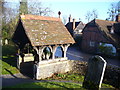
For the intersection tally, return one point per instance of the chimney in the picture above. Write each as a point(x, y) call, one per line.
point(73, 24)
point(118, 18)
point(70, 18)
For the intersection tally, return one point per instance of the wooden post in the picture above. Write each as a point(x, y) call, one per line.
point(65, 49)
point(53, 51)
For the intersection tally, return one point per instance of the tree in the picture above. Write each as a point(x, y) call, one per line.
point(64, 19)
point(88, 16)
point(91, 15)
point(113, 11)
point(37, 8)
point(9, 19)
point(23, 7)
point(12, 10)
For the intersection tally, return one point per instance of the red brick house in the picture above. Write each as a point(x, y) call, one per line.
point(100, 31)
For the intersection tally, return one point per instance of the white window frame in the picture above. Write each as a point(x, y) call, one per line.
point(92, 43)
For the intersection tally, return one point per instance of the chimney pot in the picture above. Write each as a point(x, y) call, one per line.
point(59, 13)
point(70, 18)
point(118, 18)
point(73, 24)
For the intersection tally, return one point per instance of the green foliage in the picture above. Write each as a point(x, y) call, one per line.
point(9, 28)
point(23, 7)
point(106, 85)
point(106, 50)
point(8, 50)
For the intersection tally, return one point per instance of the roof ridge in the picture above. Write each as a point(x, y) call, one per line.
point(37, 17)
point(106, 20)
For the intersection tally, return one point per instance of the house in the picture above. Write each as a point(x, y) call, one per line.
point(75, 28)
point(37, 38)
point(98, 32)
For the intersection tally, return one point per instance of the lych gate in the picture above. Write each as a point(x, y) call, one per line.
point(38, 38)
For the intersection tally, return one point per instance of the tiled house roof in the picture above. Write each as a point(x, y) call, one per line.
point(69, 26)
point(36, 17)
point(104, 28)
point(103, 24)
point(42, 30)
point(80, 26)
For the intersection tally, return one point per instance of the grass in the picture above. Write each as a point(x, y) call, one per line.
point(9, 65)
point(74, 77)
point(9, 62)
point(49, 84)
point(63, 85)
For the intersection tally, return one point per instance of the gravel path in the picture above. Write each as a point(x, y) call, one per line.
point(9, 80)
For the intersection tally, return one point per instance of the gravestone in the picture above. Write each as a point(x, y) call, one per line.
point(95, 72)
point(6, 41)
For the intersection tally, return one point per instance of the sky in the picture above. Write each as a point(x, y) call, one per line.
point(77, 8)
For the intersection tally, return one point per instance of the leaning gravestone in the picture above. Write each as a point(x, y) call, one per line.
point(94, 75)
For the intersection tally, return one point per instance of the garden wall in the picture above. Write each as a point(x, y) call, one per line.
point(44, 70)
point(111, 76)
point(49, 68)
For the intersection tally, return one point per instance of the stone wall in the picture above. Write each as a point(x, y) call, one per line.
point(78, 66)
point(111, 76)
point(48, 68)
point(45, 70)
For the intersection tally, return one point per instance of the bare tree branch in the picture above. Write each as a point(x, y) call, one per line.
point(91, 15)
point(37, 8)
point(112, 12)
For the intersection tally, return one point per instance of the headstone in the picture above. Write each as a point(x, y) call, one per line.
point(94, 75)
point(6, 42)
point(1, 43)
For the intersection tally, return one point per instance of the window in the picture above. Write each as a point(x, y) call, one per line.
point(92, 44)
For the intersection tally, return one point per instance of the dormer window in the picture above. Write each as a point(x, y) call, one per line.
point(110, 29)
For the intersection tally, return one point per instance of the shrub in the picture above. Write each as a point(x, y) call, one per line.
point(106, 50)
point(8, 50)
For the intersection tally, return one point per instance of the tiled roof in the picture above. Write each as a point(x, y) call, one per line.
point(80, 26)
point(69, 26)
point(103, 24)
point(36, 17)
point(103, 27)
point(43, 30)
